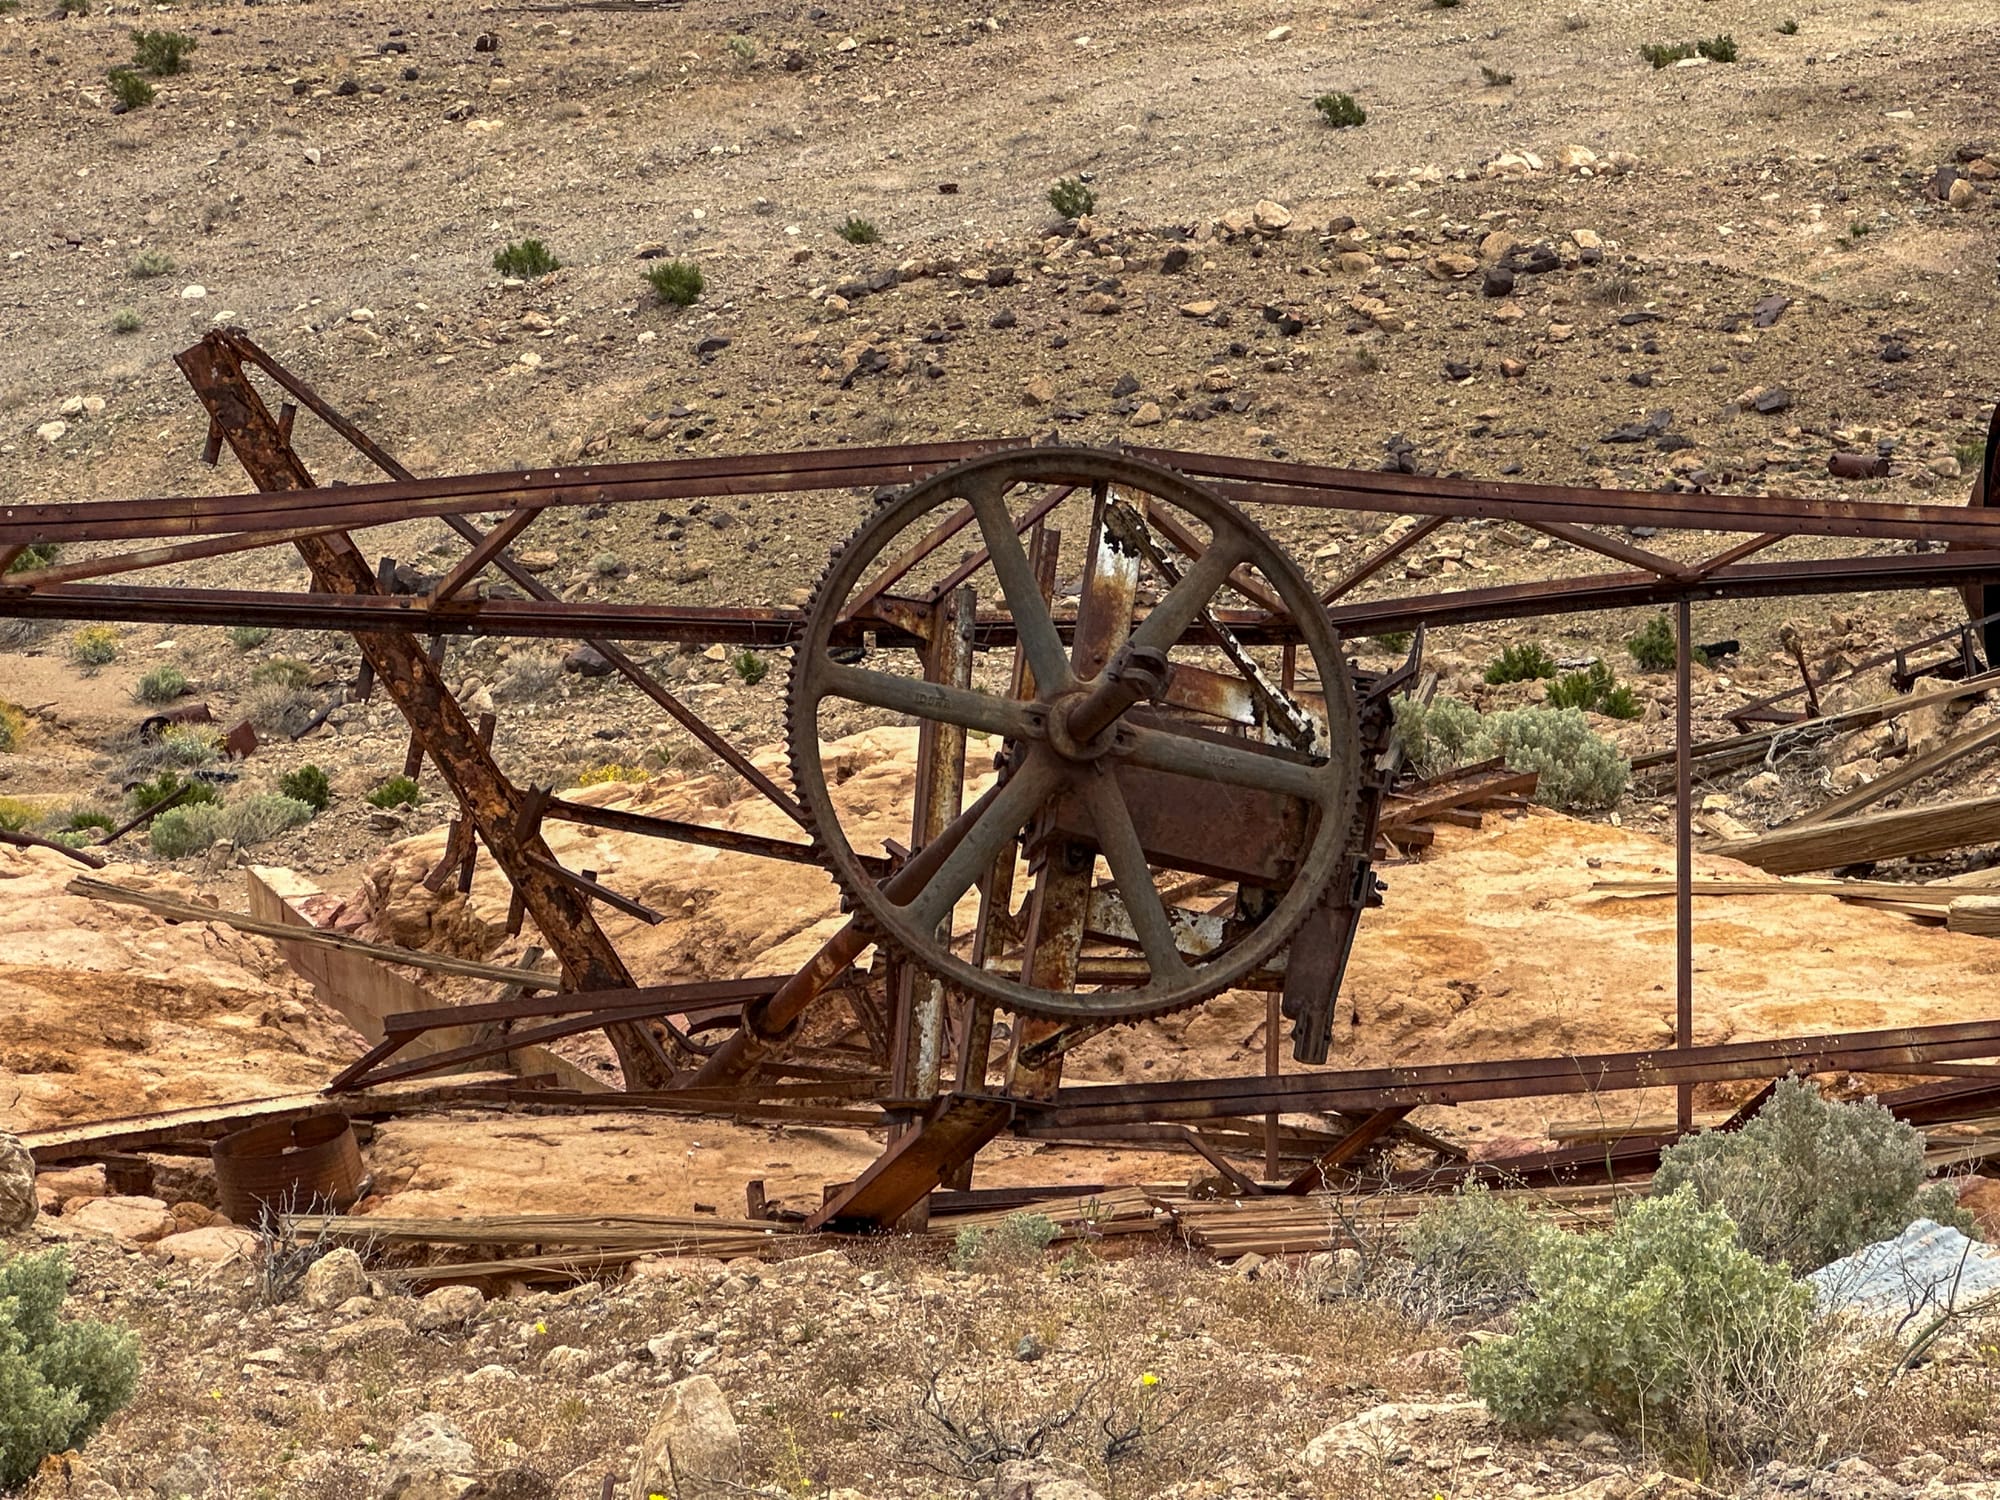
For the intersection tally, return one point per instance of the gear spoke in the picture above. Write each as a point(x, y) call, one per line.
point(1036, 627)
point(1118, 841)
point(940, 702)
point(1235, 764)
point(1023, 795)
point(1164, 624)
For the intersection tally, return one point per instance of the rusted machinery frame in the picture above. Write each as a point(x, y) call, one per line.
point(414, 683)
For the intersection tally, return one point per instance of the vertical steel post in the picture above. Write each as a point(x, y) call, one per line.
point(1684, 852)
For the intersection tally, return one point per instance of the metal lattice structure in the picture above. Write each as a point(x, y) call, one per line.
point(1148, 770)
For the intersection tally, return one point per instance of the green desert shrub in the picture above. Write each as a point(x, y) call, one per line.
point(94, 646)
point(13, 724)
point(1720, 49)
point(1472, 1253)
point(17, 814)
point(1071, 198)
point(282, 671)
point(248, 637)
point(525, 259)
point(84, 819)
point(1810, 1179)
point(1339, 111)
point(150, 793)
point(1016, 1241)
point(148, 264)
point(1652, 645)
point(308, 784)
point(34, 555)
point(397, 791)
point(181, 831)
point(127, 320)
point(859, 231)
point(1666, 54)
point(1578, 768)
point(59, 1378)
point(678, 282)
point(1595, 690)
point(130, 90)
point(1520, 663)
point(1666, 1330)
point(749, 666)
point(161, 53)
point(161, 685)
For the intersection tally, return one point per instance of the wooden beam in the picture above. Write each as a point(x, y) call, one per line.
point(1872, 836)
point(1913, 769)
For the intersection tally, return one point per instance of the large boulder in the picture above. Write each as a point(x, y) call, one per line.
point(17, 1185)
point(137, 1220)
point(694, 1450)
point(429, 1459)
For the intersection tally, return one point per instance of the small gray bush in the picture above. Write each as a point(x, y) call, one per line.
point(1667, 1330)
point(278, 708)
point(1017, 1240)
point(1471, 1254)
point(1578, 769)
point(1810, 1179)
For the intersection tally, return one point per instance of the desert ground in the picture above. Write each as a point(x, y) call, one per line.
point(336, 180)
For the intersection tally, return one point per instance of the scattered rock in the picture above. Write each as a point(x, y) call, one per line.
point(140, 1220)
point(52, 432)
point(1773, 401)
point(1928, 1265)
point(447, 1307)
point(586, 661)
point(1148, 414)
point(1100, 304)
point(429, 1459)
point(1176, 260)
point(1497, 281)
point(1036, 1479)
point(214, 1245)
point(1201, 308)
point(693, 1449)
point(1961, 193)
point(1452, 266)
point(1037, 390)
point(18, 1206)
point(1383, 1432)
point(332, 1279)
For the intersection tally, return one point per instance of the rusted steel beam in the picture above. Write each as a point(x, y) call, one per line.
point(770, 1024)
point(483, 552)
point(1358, 1090)
point(1319, 1174)
point(1611, 547)
point(596, 889)
point(948, 1134)
point(158, 557)
point(36, 841)
point(772, 629)
point(1189, 546)
point(646, 824)
point(588, 959)
point(1032, 517)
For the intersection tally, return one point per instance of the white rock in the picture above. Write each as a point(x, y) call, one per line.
point(1277, 33)
point(694, 1448)
point(332, 1279)
point(72, 406)
point(213, 1245)
point(1383, 1432)
point(361, 315)
point(448, 1307)
point(193, 293)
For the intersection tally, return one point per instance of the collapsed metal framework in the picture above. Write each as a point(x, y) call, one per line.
point(1255, 765)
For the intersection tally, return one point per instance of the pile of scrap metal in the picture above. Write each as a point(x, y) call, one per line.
point(1191, 766)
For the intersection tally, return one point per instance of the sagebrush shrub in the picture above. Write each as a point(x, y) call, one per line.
point(1663, 1327)
point(184, 830)
point(749, 666)
point(127, 320)
point(248, 637)
point(256, 819)
point(59, 1379)
point(1016, 1241)
point(1472, 1253)
point(278, 709)
point(161, 685)
point(13, 724)
point(1810, 1179)
point(1520, 663)
point(282, 670)
point(150, 263)
point(1578, 768)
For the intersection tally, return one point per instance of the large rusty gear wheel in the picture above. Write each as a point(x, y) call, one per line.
point(1067, 744)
